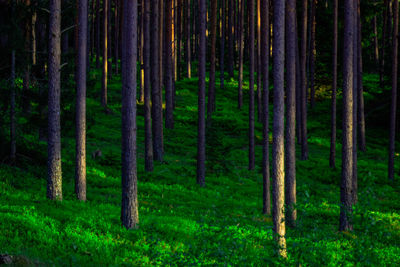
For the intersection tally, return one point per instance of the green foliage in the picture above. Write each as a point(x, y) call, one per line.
point(180, 223)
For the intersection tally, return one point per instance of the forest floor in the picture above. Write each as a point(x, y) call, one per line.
point(181, 223)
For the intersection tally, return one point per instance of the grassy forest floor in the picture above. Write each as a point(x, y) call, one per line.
point(181, 223)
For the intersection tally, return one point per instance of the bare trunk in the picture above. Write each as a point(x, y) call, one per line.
point(222, 45)
point(251, 84)
point(213, 40)
point(169, 119)
point(355, 103)
point(303, 66)
point(241, 52)
point(361, 116)
point(332, 155)
point(188, 34)
point(231, 7)
point(105, 60)
point(13, 122)
point(312, 53)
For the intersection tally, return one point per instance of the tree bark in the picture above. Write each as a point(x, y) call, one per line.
point(54, 176)
point(213, 41)
point(13, 137)
point(278, 173)
point(312, 53)
point(251, 84)
point(290, 178)
point(265, 98)
point(241, 52)
point(361, 116)
point(188, 34)
point(98, 34)
point(231, 7)
point(393, 103)
point(169, 118)
point(376, 45)
point(129, 209)
point(258, 58)
point(105, 59)
point(303, 66)
point(346, 209)
point(201, 136)
point(332, 154)
point(355, 103)
point(222, 45)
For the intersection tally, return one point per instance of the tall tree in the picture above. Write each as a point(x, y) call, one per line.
point(265, 104)
point(241, 54)
point(213, 41)
point(222, 44)
point(346, 209)
point(169, 79)
point(201, 135)
point(360, 115)
point(251, 85)
point(116, 34)
point(376, 45)
point(231, 7)
point(278, 173)
point(312, 52)
point(129, 209)
point(303, 93)
point(156, 95)
point(105, 59)
point(13, 137)
point(355, 102)
point(188, 52)
point(393, 103)
point(148, 150)
point(80, 129)
point(258, 58)
point(54, 176)
point(332, 155)
point(98, 35)
point(290, 134)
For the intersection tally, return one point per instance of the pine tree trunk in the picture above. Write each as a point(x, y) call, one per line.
point(241, 52)
point(231, 7)
point(169, 119)
point(213, 41)
point(361, 116)
point(129, 209)
point(303, 66)
point(265, 105)
point(188, 38)
point(251, 84)
point(98, 34)
point(312, 53)
point(54, 176)
point(346, 209)
point(105, 59)
point(116, 34)
point(13, 137)
point(290, 133)
point(376, 45)
point(80, 129)
point(258, 58)
point(201, 136)
point(222, 45)
point(278, 173)
point(332, 154)
point(355, 103)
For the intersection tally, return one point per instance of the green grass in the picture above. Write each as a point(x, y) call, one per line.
point(181, 223)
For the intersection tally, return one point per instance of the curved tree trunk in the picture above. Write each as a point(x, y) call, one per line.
point(54, 176)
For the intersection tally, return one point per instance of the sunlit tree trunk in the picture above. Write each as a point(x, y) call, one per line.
point(98, 34)
point(188, 39)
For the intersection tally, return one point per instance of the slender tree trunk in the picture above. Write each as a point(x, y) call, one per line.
point(241, 52)
point(361, 116)
point(298, 87)
point(129, 209)
point(312, 53)
point(169, 118)
point(265, 105)
point(278, 173)
point(105, 59)
point(393, 103)
point(148, 145)
point(376, 45)
point(201, 135)
point(259, 97)
point(355, 103)
point(54, 176)
point(179, 38)
point(156, 93)
point(346, 209)
point(140, 51)
point(33, 37)
point(290, 158)
point(109, 41)
point(13, 137)
point(213, 41)
point(231, 7)
point(222, 45)
point(98, 34)
point(161, 28)
point(384, 36)
point(188, 34)
point(80, 129)
point(303, 66)
point(332, 155)
point(116, 34)
point(251, 84)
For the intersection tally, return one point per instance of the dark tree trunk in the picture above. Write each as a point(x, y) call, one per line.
point(312, 53)
point(298, 87)
point(303, 66)
point(98, 34)
point(188, 35)
point(148, 145)
point(13, 137)
point(346, 209)
point(290, 137)
point(251, 84)
point(376, 45)
point(213, 41)
point(361, 116)
point(384, 36)
point(355, 104)
point(241, 52)
point(201, 135)
point(231, 7)
point(332, 155)
point(109, 41)
point(105, 50)
point(393, 103)
point(265, 99)
point(169, 118)
point(54, 176)
point(259, 100)
point(116, 34)
point(129, 209)
point(80, 128)
point(179, 38)
point(278, 172)
point(222, 45)
point(155, 83)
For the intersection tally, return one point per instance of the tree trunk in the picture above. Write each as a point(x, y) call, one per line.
point(109, 41)
point(201, 136)
point(312, 53)
point(290, 178)
point(361, 116)
point(231, 7)
point(156, 93)
point(251, 84)
point(259, 100)
point(303, 66)
point(105, 50)
point(54, 176)
point(393, 103)
point(222, 45)
point(265, 99)
point(376, 45)
point(98, 34)
point(129, 209)
point(384, 36)
point(332, 155)
point(13, 122)
point(169, 118)
point(213, 40)
point(278, 173)
point(346, 209)
point(355, 103)
point(80, 129)
point(241, 52)
point(116, 34)
point(188, 52)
